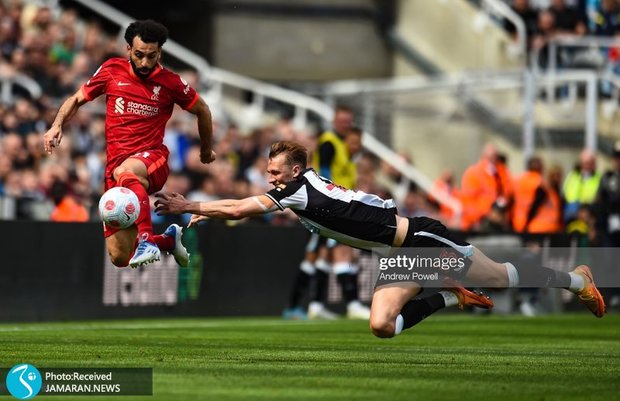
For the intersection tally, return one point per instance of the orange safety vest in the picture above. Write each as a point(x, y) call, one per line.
point(547, 218)
point(480, 188)
point(69, 210)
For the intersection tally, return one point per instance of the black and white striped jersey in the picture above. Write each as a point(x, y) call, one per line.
point(351, 217)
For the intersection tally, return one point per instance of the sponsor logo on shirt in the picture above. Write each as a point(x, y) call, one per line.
point(135, 108)
point(119, 106)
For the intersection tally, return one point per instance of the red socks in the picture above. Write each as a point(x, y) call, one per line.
point(164, 242)
point(143, 222)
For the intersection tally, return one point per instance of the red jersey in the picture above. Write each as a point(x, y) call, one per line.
point(137, 109)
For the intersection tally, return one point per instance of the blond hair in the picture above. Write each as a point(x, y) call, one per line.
point(295, 153)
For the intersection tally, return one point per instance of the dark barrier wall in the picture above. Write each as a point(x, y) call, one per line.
point(60, 271)
point(49, 271)
point(249, 270)
point(55, 271)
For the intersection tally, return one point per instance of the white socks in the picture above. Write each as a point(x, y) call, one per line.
point(307, 267)
point(449, 298)
point(345, 268)
point(513, 275)
point(398, 325)
point(577, 282)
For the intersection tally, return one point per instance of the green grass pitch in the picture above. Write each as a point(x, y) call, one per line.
point(447, 357)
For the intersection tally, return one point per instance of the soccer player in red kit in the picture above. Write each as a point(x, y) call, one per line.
point(140, 97)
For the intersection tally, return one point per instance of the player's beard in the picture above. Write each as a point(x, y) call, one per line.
point(141, 72)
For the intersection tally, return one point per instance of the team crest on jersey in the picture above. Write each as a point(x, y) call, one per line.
point(184, 82)
point(156, 90)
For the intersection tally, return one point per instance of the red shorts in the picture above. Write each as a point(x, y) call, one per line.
point(156, 162)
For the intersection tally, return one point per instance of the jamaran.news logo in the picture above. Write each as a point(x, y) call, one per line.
point(23, 381)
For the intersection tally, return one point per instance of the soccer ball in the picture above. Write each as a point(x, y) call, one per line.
point(119, 207)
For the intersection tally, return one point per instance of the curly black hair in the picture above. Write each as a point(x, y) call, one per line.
point(148, 30)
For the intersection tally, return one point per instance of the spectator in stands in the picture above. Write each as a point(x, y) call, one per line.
point(255, 174)
point(247, 151)
point(393, 180)
point(496, 221)
point(607, 210)
point(5, 169)
point(583, 226)
point(415, 204)
point(13, 147)
point(68, 208)
point(545, 31)
point(9, 31)
point(484, 184)
point(581, 184)
point(445, 185)
point(606, 20)
point(527, 14)
point(568, 20)
point(608, 200)
point(537, 208)
point(28, 117)
point(207, 191)
point(366, 166)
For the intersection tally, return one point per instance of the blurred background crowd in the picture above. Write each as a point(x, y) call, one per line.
point(60, 52)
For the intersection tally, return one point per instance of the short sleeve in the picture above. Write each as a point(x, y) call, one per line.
point(184, 95)
point(293, 196)
point(97, 84)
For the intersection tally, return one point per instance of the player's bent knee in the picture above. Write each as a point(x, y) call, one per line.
point(382, 328)
point(119, 260)
point(118, 257)
point(120, 170)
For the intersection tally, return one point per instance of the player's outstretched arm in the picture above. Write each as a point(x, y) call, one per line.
point(232, 209)
point(205, 130)
point(53, 136)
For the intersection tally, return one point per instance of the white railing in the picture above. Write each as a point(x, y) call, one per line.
point(523, 81)
point(7, 82)
point(586, 50)
point(502, 10)
point(573, 77)
point(217, 78)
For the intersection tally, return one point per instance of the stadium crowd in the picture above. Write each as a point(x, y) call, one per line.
point(544, 19)
point(61, 52)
